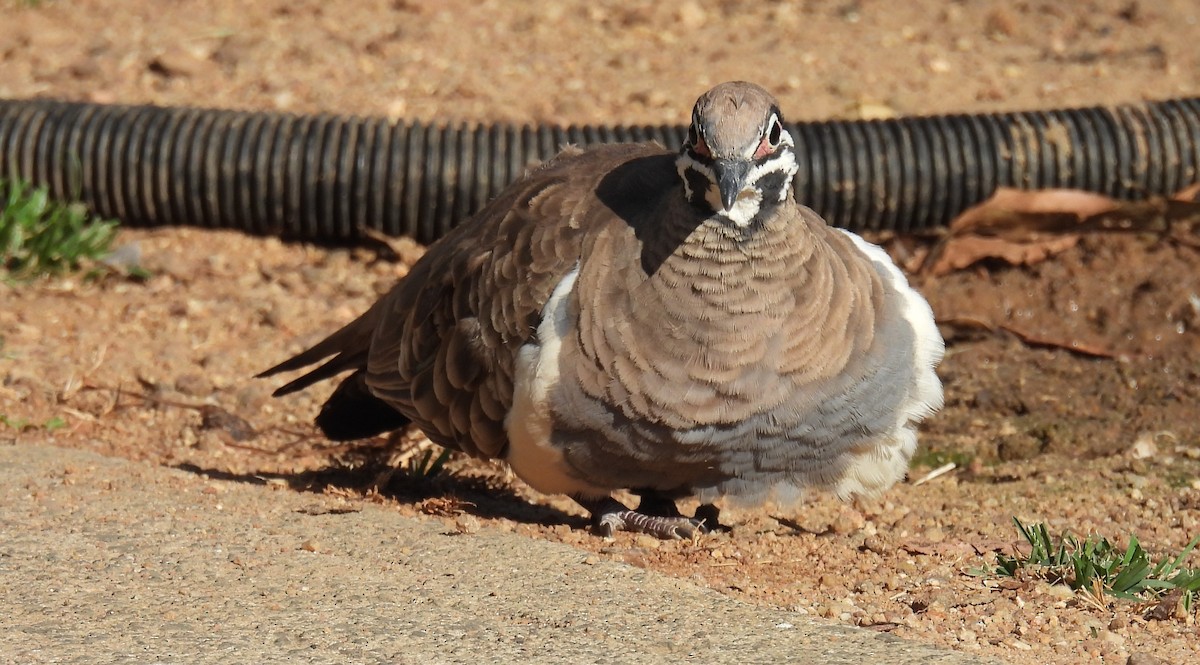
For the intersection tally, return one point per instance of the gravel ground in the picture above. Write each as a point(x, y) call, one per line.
point(105, 560)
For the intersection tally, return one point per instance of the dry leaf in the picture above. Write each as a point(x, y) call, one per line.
point(965, 251)
point(1014, 211)
point(1083, 348)
point(944, 548)
point(1025, 227)
point(1188, 195)
point(1165, 608)
point(1018, 227)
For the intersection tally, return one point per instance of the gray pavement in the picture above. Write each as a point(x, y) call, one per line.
point(109, 561)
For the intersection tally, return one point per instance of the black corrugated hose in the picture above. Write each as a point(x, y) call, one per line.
point(323, 178)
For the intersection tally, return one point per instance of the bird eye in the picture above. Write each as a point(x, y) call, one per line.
point(775, 131)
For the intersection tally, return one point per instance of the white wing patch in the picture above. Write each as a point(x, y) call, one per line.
point(881, 465)
point(529, 424)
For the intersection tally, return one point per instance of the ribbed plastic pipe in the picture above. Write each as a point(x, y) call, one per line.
point(324, 178)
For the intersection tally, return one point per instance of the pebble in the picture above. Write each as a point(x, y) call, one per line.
point(178, 62)
point(1000, 23)
point(829, 580)
point(194, 384)
point(875, 544)
point(866, 586)
point(466, 524)
point(1137, 482)
point(939, 66)
point(1143, 447)
point(847, 521)
point(692, 16)
point(649, 542)
point(188, 437)
point(252, 396)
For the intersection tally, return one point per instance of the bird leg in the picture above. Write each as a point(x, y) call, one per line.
point(655, 503)
point(709, 517)
point(610, 516)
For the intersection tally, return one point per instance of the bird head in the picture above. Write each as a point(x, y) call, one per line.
point(738, 158)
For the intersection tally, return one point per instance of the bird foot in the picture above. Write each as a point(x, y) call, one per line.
point(665, 528)
point(656, 515)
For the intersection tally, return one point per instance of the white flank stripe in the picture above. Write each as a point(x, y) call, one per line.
point(529, 423)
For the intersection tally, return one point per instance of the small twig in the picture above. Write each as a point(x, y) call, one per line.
point(1073, 346)
point(249, 448)
point(100, 355)
point(419, 447)
point(940, 471)
point(146, 397)
point(1094, 595)
point(80, 415)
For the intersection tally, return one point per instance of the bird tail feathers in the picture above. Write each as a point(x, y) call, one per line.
point(349, 347)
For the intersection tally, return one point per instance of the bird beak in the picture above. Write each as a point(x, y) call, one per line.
point(731, 177)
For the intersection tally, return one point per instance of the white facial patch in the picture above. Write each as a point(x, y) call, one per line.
point(745, 206)
point(749, 200)
point(684, 162)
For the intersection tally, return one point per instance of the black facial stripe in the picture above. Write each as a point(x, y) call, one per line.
point(771, 183)
point(698, 182)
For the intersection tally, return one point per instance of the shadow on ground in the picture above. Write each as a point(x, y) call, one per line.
point(442, 494)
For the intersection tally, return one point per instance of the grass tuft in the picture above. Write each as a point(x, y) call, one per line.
point(22, 424)
point(934, 458)
point(1098, 567)
point(426, 466)
point(41, 236)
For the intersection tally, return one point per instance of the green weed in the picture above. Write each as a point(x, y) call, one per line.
point(41, 236)
point(425, 466)
point(22, 424)
point(934, 458)
point(1100, 568)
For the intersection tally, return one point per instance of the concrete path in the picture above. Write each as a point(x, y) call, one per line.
point(109, 561)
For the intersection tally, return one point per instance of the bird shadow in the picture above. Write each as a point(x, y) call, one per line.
point(442, 494)
point(633, 191)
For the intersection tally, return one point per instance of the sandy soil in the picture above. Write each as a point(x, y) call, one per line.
point(160, 370)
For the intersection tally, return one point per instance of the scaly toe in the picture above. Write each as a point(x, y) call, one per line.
point(665, 528)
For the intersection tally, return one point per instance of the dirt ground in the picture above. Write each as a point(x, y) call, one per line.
point(1074, 404)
